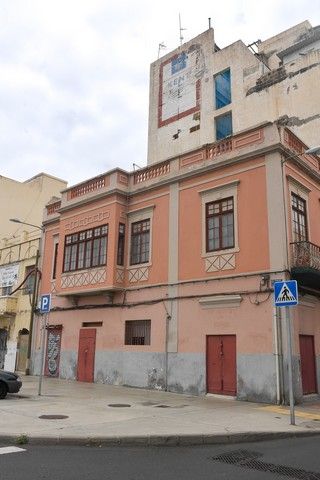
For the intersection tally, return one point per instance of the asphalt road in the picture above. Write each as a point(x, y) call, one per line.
point(290, 459)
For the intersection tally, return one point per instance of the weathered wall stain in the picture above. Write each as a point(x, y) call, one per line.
point(276, 76)
point(287, 121)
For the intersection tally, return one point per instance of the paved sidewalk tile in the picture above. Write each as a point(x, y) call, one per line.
point(72, 412)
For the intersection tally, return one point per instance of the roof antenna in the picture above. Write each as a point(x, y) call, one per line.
point(161, 46)
point(181, 30)
point(209, 21)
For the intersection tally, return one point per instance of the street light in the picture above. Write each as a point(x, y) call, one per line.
point(313, 150)
point(34, 292)
point(16, 220)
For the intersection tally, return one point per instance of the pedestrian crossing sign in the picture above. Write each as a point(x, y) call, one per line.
point(285, 293)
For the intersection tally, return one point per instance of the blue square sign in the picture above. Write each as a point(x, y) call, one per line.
point(45, 303)
point(286, 293)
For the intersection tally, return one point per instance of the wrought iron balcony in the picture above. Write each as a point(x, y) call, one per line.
point(305, 264)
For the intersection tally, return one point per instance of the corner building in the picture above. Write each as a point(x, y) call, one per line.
point(162, 278)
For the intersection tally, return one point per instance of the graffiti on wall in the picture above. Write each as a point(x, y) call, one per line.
point(53, 352)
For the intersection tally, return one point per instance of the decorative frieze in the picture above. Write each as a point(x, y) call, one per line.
point(138, 274)
point(81, 279)
point(119, 275)
point(226, 261)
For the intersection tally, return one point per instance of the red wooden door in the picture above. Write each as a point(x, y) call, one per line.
point(86, 353)
point(221, 364)
point(308, 364)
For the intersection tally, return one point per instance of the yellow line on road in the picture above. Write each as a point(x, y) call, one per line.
point(286, 411)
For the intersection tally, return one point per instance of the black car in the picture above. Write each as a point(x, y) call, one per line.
point(9, 383)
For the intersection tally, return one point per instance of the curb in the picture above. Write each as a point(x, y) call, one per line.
point(159, 440)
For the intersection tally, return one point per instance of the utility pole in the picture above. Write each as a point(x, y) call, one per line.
point(33, 306)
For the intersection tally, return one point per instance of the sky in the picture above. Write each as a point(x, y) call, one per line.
point(74, 74)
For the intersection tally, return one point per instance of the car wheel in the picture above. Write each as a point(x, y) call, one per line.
point(3, 390)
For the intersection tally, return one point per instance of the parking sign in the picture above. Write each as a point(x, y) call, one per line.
point(45, 303)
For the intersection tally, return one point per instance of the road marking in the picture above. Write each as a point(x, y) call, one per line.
point(286, 411)
point(4, 450)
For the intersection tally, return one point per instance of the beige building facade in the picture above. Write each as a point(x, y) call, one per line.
point(200, 93)
point(20, 246)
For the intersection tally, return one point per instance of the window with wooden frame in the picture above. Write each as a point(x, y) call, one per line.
point(220, 225)
point(222, 82)
point(137, 332)
point(121, 240)
point(86, 249)
point(140, 242)
point(223, 126)
point(299, 218)
point(55, 258)
point(30, 275)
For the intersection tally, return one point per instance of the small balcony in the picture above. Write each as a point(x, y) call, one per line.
point(8, 306)
point(305, 264)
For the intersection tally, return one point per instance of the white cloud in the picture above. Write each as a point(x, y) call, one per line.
point(74, 74)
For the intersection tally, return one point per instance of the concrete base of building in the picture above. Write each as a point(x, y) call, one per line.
point(175, 372)
point(256, 378)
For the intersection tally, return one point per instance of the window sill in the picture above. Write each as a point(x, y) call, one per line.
point(223, 108)
point(82, 270)
point(139, 265)
point(220, 252)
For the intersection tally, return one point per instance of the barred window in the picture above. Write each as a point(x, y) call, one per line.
point(86, 249)
point(219, 225)
point(140, 242)
point(121, 240)
point(299, 218)
point(137, 332)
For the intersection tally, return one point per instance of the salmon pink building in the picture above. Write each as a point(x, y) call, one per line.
point(163, 277)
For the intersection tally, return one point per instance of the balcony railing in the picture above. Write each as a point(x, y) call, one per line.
point(305, 255)
point(151, 172)
point(53, 207)
point(88, 187)
point(8, 305)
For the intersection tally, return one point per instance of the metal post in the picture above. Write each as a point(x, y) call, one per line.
point(290, 375)
point(43, 344)
point(33, 306)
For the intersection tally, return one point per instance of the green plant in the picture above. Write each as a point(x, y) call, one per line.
point(22, 439)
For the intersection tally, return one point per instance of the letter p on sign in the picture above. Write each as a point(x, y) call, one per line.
point(45, 303)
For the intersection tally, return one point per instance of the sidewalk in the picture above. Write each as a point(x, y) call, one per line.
point(104, 414)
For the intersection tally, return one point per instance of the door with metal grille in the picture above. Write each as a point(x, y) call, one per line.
point(221, 364)
point(308, 364)
point(53, 351)
point(3, 345)
point(86, 354)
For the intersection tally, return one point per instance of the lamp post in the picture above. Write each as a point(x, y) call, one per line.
point(313, 150)
point(34, 292)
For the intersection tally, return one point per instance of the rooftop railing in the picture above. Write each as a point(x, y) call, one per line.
point(87, 187)
point(53, 207)
point(151, 172)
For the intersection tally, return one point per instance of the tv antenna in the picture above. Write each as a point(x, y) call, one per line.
point(181, 30)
